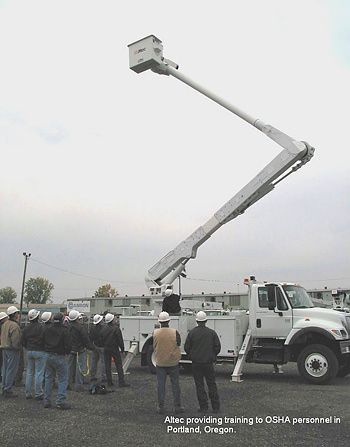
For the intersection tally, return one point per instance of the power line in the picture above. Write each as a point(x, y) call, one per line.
point(85, 276)
point(191, 279)
point(236, 280)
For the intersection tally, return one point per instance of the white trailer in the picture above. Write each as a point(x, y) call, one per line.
point(277, 329)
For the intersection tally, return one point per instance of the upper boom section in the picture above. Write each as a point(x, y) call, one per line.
point(147, 54)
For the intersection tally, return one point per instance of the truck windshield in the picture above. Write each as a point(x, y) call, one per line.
point(298, 297)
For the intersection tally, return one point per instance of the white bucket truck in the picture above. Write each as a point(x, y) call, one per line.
point(282, 324)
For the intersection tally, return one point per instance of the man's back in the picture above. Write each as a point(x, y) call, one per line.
point(171, 304)
point(57, 339)
point(166, 343)
point(202, 345)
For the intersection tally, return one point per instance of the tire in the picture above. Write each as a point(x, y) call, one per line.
point(318, 364)
point(151, 360)
point(344, 369)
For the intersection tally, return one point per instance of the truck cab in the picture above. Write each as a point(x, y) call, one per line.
point(286, 326)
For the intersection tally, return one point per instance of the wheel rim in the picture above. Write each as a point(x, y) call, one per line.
point(316, 365)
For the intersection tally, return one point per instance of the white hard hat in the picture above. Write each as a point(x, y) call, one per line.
point(32, 314)
point(97, 318)
point(168, 292)
point(3, 315)
point(109, 318)
point(73, 315)
point(12, 310)
point(45, 317)
point(201, 316)
point(163, 317)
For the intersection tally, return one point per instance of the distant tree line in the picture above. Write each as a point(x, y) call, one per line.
point(36, 291)
point(8, 295)
point(39, 291)
point(106, 291)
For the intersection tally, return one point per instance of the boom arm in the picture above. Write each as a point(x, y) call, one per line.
point(293, 156)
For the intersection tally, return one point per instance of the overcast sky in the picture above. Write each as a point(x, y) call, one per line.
point(104, 171)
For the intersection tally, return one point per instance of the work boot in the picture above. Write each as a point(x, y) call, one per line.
point(47, 405)
point(39, 397)
point(110, 383)
point(63, 406)
point(124, 385)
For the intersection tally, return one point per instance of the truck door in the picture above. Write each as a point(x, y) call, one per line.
point(273, 317)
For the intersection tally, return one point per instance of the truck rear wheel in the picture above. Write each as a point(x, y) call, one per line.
point(318, 364)
point(151, 360)
point(344, 369)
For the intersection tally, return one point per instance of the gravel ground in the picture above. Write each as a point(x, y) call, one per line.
point(127, 416)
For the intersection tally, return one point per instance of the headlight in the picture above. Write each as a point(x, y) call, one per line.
point(340, 332)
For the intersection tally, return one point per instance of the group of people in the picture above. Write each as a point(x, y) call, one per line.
point(202, 346)
point(48, 339)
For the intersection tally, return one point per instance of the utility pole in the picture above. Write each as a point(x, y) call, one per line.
point(24, 280)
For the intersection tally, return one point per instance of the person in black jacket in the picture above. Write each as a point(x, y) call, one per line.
point(57, 343)
point(202, 346)
point(78, 360)
point(112, 340)
point(171, 303)
point(95, 337)
point(32, 341)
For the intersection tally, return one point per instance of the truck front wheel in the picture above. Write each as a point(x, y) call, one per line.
point(318, 364)
point(151, 360)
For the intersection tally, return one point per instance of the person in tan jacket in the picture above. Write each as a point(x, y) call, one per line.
point(11, 351)
point(166, 345)
point(3, 318)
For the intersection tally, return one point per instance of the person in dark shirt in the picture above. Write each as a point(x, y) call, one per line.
point(202, 346)
point(113, 343)
point(57, 343)
point(32, 341)
point(77, 362)
point(95, 337)
point(171, 303)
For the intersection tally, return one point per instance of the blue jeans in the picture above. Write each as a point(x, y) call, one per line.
point(77, 368)
point(10, 362)
point(35, 366)
point(55, 364)
point(174, 374)
point(96, 356)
